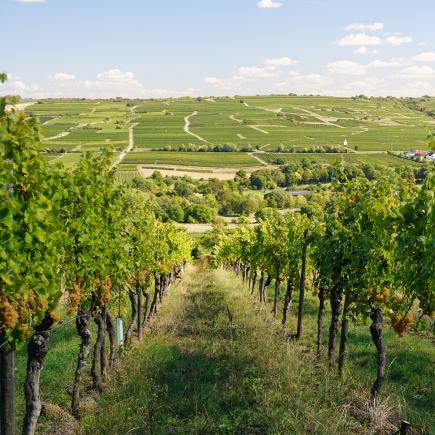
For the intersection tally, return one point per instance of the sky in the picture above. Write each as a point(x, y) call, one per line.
point(174, 48)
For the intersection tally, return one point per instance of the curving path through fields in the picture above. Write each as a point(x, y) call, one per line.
point(186, 128)
point(130, 145)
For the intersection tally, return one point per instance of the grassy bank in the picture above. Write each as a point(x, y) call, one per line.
point(216, 363)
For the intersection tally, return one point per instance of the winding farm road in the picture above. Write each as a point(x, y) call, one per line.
point(19, 106)
point(130, 145)
point(186, 128)
point(260, 160)
point(65, 133)
point(235, 119)
point(125, 152)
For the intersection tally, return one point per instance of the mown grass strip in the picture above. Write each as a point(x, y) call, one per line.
point(216, 363)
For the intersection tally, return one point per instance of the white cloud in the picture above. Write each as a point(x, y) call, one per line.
point(234, 82)
point(416, 89)
point(347, 67)
point(383, 64)
point(269, 4)
point(62, 79)
point(108, 84)
point(359, 39)
point(311, 83)
point(30, 1)
point(283, 61)
point(422, 43)
point(256, 72)
point(115, 80)
point(363, 39)
point(395, 40)
point(425, 57)
point(313, 80)
point(368, 84)
point(418, 72)
point(363, 50)
point(376, 26)
point(19, 86)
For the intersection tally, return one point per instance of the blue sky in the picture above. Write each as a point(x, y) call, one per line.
point(162, 48)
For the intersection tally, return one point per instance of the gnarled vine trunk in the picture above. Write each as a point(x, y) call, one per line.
point(7, 388)
point(133, 299)
point(85, 347)
point(376, 333)
point(254, 282)
point(336, 296)
point(101, 336)
point(162, 286)
point(103, 358)
point(343, 338)
point(321, 296)
point(288, 300)
point(266, 285)
point(156, 294)
point(147, 308)
point(139, 315)
point(37, 350)
point(277, 292)
point(261, 287)
point(112, 338)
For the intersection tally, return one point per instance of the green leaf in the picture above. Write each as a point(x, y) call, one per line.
point(40, 234)
point(6, 218)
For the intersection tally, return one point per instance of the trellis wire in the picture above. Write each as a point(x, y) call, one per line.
point(58, 326)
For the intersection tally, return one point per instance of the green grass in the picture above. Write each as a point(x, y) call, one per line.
point(199, 372)
point(192, 159)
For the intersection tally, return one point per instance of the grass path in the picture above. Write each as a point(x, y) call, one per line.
point(216, 363)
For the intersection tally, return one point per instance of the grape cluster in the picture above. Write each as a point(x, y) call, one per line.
point(401, 323)
point(380, 298)
point(76, 295)
point(8, 313)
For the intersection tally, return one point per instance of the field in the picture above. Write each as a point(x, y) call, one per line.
point(70, 159)
point(107, 122)
point(192, 159)
point(264, 122)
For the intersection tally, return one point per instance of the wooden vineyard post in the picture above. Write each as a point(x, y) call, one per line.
point(302, 287)
point(7, 391)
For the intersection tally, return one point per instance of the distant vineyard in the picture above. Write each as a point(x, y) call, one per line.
point(125, 176)
point(193, 159)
